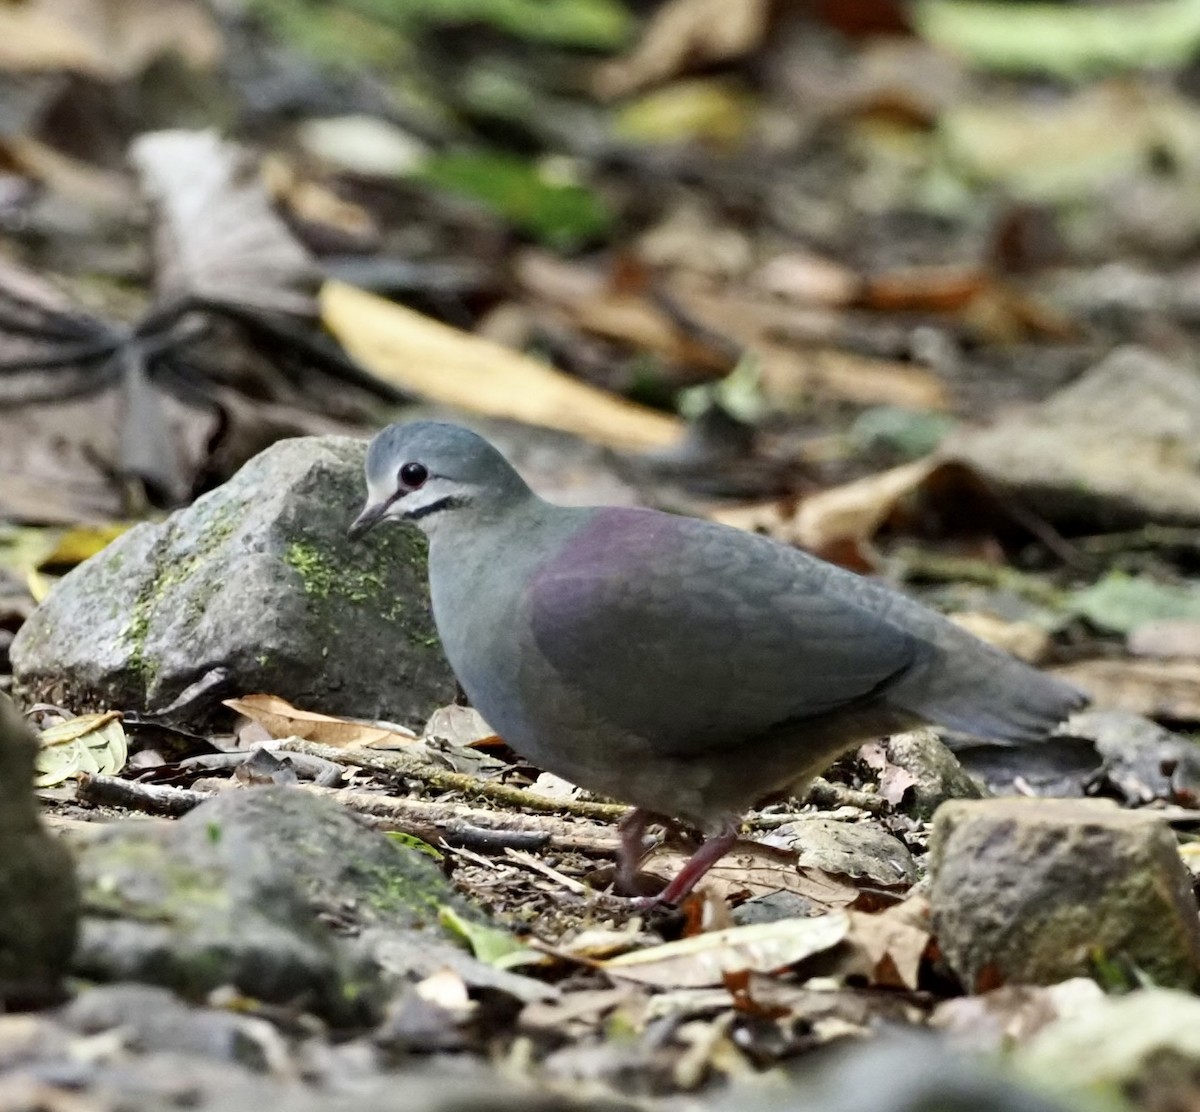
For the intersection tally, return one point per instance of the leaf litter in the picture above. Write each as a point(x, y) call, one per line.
point(812, 327)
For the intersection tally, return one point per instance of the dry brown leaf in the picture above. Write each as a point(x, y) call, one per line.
point(1152, 688)
point(706, 959)
point(790, 376)
point(894, 781)
point(684, 34)
point(826, 521)
point(996, 1021)
point(1166, 637)
point(751, 870)
point(889, 945)
point(444, 364)
point(601, 303)
point(280, 719)
point(79, 182)
point(1025, 640)
point(840, 523)
point(795, 346)
point(105, 38)
point(459, 726)
point(808, 279)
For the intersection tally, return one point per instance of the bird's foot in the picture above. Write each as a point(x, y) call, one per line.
point(711, 851)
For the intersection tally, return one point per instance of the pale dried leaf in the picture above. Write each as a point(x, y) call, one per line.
point(447, 990)
point(457, 726)
point(752, 870)
point(109, 39)
point(280, 719)
point(1009, 1016)
point(890, 944)
point(1166, 637)
point(218, 238)
point(1025, 640)
point(894, 781)
point(444, 364)
point(831, 519)
point(1153, 688)
point(93, 743)
point(808, 278)
point(707, 959)
point(685, 34)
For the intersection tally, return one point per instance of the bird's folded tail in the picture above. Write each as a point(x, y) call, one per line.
point(970, 686)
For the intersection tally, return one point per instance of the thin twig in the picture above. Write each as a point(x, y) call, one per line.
point(401, 763)
point(474, 827)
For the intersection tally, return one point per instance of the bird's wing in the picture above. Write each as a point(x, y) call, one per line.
point(694, 634)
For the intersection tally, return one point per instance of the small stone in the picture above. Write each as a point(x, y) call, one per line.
point(863, 850)
point(39, 900)
point(1039, 890)
point(253, 588)
point(935, 771)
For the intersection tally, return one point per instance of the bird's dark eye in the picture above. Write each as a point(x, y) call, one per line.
point(413, 475)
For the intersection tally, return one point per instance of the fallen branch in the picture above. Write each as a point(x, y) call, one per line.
point(459, 824)
point(399, 763)
point(153, 799)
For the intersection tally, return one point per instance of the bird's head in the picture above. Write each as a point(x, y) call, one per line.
point(427, 471)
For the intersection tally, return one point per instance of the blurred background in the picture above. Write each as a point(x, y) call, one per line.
point(906, 283)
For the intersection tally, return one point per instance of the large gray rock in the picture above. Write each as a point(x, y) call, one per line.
point(1040, 890)
point(39, 905)
point(265, 889)
point(254, 588)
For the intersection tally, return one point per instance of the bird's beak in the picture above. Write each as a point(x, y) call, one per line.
point(371, 516)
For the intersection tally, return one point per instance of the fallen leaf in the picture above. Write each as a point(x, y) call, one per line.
point(707, 959)
point(1025, 640)
point(92, 743)
point(1165, 637)
point(489, 944)
point(699, 109)
point(1067, 40)
point(829, 520)
point(218, 236)
point(894, 781)
point(1120, 603)
point(752, 870)
point(1167, 689)
point(808, 279)
point(280, 719)
point(684, 34)
point(108, 39)
point(444, 364)
point(996, 1021)
point(458, 726)
point(890, 945)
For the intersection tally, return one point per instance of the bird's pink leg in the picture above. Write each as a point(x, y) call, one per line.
point(632, 828)
point(710, 852)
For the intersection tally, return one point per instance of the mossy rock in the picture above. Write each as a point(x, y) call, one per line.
point(265, 889)
point(39, 903)
point(254, 588)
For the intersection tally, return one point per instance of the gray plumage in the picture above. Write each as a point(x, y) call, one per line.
point(685, 667)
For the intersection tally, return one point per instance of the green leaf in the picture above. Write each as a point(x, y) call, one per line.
point(413, 842)
point(1068, 40)
point(592, 24)
point(561, 214)
point(1120, 603)
point(488, 944)
point(739, 393)
point(92, 743)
